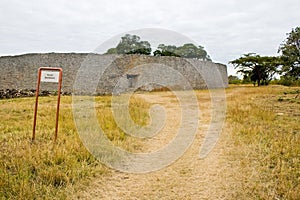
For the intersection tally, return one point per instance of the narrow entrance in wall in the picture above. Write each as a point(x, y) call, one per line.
point(132, 80)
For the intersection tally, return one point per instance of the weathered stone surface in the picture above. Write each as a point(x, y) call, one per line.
point(106, 73)
point(13, 93)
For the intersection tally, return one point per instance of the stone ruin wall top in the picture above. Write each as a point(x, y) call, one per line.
point(20, 72)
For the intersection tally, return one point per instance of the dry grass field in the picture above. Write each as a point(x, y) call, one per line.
point(266, 134)
point(257, 156)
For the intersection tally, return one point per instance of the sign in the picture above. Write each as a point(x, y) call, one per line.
point(50, 76)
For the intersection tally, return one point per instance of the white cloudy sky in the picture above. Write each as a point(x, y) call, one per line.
point(226, 28)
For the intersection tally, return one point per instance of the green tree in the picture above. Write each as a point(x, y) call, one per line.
point(166, 50)
point(233, 79)
point(131, 44)
point(191, 51)
point(111, 51)
point(290, 55)
point(187, 51)
point(260, 69)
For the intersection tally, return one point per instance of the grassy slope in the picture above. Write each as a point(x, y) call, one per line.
point(44, 169)
point(265, 132)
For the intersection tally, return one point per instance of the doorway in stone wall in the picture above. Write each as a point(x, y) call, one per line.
point(132, 80)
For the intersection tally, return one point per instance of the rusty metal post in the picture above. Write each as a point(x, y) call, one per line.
point(58, 103)
point(36, 103)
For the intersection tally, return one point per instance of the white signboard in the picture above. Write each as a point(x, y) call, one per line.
point(50, 76)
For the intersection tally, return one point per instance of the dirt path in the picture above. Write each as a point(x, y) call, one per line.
point(187, 178)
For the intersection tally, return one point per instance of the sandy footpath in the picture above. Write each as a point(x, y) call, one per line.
point(187, 178)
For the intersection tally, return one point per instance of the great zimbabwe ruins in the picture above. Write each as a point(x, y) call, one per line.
point(19, 73)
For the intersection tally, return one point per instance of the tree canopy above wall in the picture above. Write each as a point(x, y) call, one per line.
point(132, 44)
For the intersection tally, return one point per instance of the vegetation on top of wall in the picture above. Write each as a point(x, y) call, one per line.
point(131, 44)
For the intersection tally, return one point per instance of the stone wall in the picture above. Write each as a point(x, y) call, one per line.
point(103, 74)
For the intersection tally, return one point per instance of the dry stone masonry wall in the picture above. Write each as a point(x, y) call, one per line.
point(103, 74)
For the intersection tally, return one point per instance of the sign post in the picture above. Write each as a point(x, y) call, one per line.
point(50, 75)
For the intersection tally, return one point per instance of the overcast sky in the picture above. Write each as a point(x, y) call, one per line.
point(226, 28)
